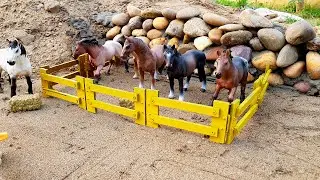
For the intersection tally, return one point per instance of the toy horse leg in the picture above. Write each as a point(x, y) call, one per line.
point(13, 86)
point(186, 86)
point(231, 94)
point(203, 79)
point(171, 94)
point(96, 73)
point(181, 95)
point(215, 94)
point(1, 81)
point(141, 84)
point(153, 80)
point(156, 75)
point(109, 67)
point(243, 92)
point(29, 84)
point(135, 68)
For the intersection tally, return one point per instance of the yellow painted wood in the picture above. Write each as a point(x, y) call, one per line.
point(140, 105)
point(250, 100)
point(62, 66)
point(45, 84)
point(263, 93)
point(115, 109)
point(3, 136)
point(59, 80)
point(220, 122)
point(90, 96)
point(185, 125)
point(152, 110)
point(233, 120)
point(186, 106)
point(257, 83)
point(266, 77)
point(81, 92)
point(63, 96)
point(244, 120)
point(68, 76)
point(112, 92)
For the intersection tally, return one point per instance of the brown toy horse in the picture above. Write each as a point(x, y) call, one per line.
point(145, 60)
point(230, 73)
point(99, 54)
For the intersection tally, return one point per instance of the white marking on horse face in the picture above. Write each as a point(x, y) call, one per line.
point(171, 95)
point(168, 57)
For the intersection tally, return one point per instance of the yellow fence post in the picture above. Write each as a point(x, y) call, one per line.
point(151, 109)
point(81, 93)
point(82, 65)
point(232, 120)
point(45, 84)
point(140, 105)
point(220, 122)
point(90, 96)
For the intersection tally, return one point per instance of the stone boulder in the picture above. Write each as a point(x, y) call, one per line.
point(287, 56)
point(52, 6)
point(242, 51)
point(154, 34)
point(212, 53)
point(126, 30)
point(175, 28)
point(135, 23)
point(236, 37)
point(215, 36)
point(300, 32)
point(147, 24)
point(24, 36)
point(256, 44)
point(160, 23)
point(113, 32)
point(215, 20)
point(250, 18)
point(120, 19)
point(295, 70)
point(275, 79)
point(169, 13)
point(158, 41)
point(196, 27)
point(302, 86)
point(314, 45)
point(187, 13)
point(271, 39)
point(201, 43)
point(133, 11)
point(150, 13)
point(174, 41)
point(260, 60)
point(313, 65)
point(232, 27)
point(139, 32)
point(185, 47)
point(144, 39)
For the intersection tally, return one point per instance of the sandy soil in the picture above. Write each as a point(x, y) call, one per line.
point(62, 141)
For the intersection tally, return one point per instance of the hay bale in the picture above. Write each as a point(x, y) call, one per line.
point(126, 103)
point(28, 102)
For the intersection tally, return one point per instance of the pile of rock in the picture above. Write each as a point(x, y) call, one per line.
point(290, 51)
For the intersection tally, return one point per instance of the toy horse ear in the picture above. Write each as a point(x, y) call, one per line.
point(8, 40)
point(219, 53)
point(228, 52)
point(174, 46)
point(165, 47)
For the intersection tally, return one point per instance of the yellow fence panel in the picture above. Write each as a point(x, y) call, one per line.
point(138, 97)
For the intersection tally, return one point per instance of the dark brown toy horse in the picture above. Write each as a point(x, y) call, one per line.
point(145, 60)
point(230, 73)
point(99, 55)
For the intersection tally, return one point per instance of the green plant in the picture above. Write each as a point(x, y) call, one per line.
point(290, 20)
point(237, 4)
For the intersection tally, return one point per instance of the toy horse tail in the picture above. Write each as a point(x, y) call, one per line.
point(201, 62)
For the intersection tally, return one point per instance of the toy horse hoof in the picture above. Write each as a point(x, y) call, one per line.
point(203, 90)
point(185, 89)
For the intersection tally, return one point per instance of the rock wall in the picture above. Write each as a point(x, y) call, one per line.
point(291, 51)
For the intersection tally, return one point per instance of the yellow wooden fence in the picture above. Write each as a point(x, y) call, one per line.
point(227, 119)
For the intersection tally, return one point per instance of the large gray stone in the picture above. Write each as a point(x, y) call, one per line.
point(250, 18)
point(196, 27)
point(236, 38)
point(287, 56)
point(271, 39)
point(187, 13)
point(175, 28)
point(300, 32)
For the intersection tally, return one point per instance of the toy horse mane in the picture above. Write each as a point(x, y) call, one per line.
point(89, 42)
point(140, 44)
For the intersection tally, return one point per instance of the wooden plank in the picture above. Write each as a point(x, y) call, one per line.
point(244, 120)
point(59, 80)
point(266, 76)
point(68, 76)
point(61, 95)
point(185, 125)
point(250, 100)
point(113, 92)
point(115, 109)
point(186, 106)
point(62, 66)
